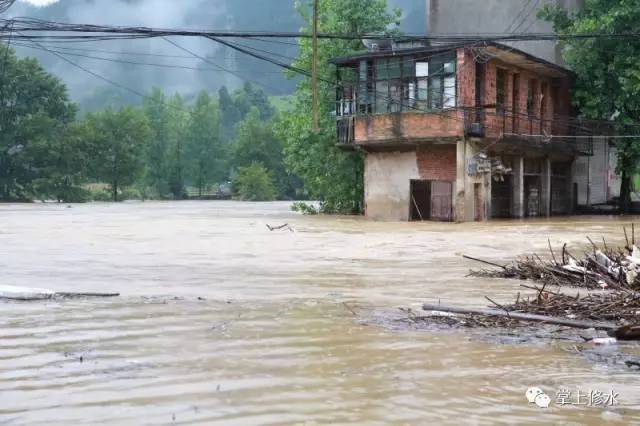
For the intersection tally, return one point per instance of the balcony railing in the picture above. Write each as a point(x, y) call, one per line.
point(345, 130)
point(569, 132)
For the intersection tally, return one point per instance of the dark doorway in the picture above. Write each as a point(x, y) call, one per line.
point(532, 192)
point(431, 200)
point(501, 192)
point(478, 205)
point(420, 200)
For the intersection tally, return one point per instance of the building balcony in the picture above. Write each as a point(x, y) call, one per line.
point(522, 130)
point(399, 129)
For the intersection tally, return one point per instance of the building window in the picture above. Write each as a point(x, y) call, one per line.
point(501, 81)
point(530, 96)
point(404, 83)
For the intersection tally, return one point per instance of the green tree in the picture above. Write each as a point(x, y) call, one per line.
point(229, 114)
point(206, 155)
point(331, 175)
point(256, 142)
point(176, 166)
point(254, 183)
point(249, 97)
point(62, 163)
point(608, 77)
point(119, 140)
point(34, 108)
point(159, 115)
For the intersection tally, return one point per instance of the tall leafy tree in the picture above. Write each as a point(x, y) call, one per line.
point(62, 160)
point(176, 159)
point(206, 155)
point(229, 114)
point(608, 76)
point(332, 175)
point(34, 108)
point(159, 116)
point(256, 142)
point(119, 140)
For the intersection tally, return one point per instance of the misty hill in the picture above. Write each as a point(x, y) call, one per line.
point(143, 64)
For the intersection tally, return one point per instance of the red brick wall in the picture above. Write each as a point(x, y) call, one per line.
point(437, 162)
point(466, 78)
point(408, 126)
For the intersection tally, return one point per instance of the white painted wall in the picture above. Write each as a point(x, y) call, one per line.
point(387, 177)
point(614, 179)
point(599, 171)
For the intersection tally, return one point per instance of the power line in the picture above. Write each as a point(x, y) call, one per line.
point(202, 58)
point(122, 61)
point(83, 32)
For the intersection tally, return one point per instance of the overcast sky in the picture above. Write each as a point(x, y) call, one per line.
point(269, 15)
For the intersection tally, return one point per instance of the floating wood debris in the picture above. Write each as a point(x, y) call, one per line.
point(280, 227)
point(603, 268)
point(31, 294)
point(611, 301)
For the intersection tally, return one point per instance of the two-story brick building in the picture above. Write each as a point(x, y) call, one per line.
point(464, 132)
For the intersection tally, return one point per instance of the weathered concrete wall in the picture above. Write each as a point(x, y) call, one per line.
point(495, 16)
point(387, 177)
point(595, 175)
point(599, 171)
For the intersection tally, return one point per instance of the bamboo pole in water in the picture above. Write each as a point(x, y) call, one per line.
point(520, 316)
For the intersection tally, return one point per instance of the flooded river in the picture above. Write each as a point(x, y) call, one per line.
point(221, 321)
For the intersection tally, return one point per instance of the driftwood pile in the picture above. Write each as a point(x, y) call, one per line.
point(603, 267)
point(611, 301)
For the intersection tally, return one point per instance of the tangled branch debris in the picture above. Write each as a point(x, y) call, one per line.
point(604, 267)
point(611, 302)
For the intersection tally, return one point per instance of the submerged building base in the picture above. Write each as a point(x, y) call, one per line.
point(464, 180)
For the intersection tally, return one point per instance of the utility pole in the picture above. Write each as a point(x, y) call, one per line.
point(314, 68)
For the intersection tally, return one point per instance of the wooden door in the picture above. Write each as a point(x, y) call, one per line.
point(441, 201)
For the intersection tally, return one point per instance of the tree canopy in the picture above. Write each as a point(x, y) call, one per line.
point(332, 175)
point(35, 114)
point(608, 75)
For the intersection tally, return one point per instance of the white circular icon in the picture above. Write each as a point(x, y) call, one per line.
point(543, 400)
point(532, 393)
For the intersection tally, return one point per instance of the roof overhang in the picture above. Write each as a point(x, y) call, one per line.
point(499, 51)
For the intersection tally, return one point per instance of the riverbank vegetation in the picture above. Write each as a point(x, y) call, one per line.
point(165, 147)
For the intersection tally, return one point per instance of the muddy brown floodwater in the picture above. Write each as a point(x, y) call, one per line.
point(223, 322)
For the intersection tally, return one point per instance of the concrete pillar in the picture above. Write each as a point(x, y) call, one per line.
point(487, 196)
point(461, 177)
point(545, 196)
point(571, 178)
point(518, 187)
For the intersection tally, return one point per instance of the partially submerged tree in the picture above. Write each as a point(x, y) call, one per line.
point(254, 183)
point(332, 175)
point(206, 156)
point(34, 113)
point(118, 139)
point(256, 142)
point(608, 77)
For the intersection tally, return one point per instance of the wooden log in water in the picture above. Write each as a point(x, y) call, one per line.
point(32, 294)
point(520, 316)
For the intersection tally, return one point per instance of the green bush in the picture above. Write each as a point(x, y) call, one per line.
point(254, 183)
point(304, 208)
